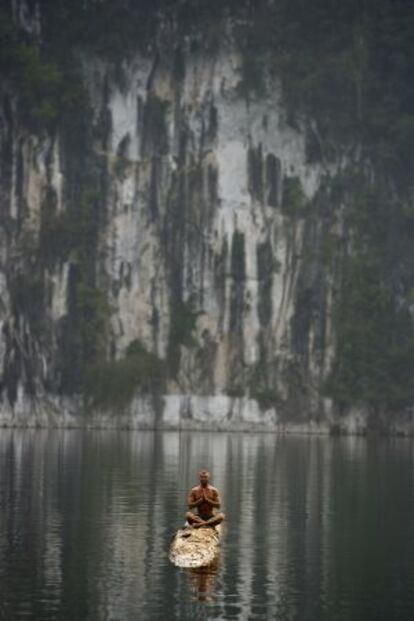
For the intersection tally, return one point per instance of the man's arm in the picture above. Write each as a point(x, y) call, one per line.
point(192, 501)
point(215, 501)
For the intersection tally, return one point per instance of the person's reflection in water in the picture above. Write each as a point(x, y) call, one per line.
point(202, 581)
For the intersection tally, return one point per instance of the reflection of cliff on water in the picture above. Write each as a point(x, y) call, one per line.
point(203, 580)
point(315, 526)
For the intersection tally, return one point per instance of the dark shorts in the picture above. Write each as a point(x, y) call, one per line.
point(204, 517)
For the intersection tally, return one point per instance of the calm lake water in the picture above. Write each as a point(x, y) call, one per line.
point(317, 528)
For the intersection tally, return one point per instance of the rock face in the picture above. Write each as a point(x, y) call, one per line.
point(185, 216)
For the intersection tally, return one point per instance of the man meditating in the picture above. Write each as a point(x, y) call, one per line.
point(206, 498)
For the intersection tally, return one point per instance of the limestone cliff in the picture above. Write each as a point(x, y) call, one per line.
point(173, 253)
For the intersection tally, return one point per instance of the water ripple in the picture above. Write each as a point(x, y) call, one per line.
point(317, 528)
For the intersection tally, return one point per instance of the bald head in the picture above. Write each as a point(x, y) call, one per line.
point(204, 477)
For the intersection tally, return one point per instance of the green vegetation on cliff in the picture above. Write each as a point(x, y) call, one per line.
point(373, 319)
point(346, 65)
point(183, 324)
point(346, 73)
point(293, 199)
point(49, 89)
point(375, 354)
point(113, 384)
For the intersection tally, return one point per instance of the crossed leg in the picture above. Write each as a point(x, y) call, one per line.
point(196, 521)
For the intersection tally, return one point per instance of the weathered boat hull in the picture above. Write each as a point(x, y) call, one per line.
point(195, 547)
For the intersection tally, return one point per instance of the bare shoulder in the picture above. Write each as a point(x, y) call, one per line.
point(194, 489)
point(214, 489)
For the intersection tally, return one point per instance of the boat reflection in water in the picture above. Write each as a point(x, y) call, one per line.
point(203, 580)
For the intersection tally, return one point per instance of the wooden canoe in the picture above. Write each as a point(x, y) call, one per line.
point(195, 547)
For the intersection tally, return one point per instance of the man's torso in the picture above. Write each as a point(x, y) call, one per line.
point(204, 509)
